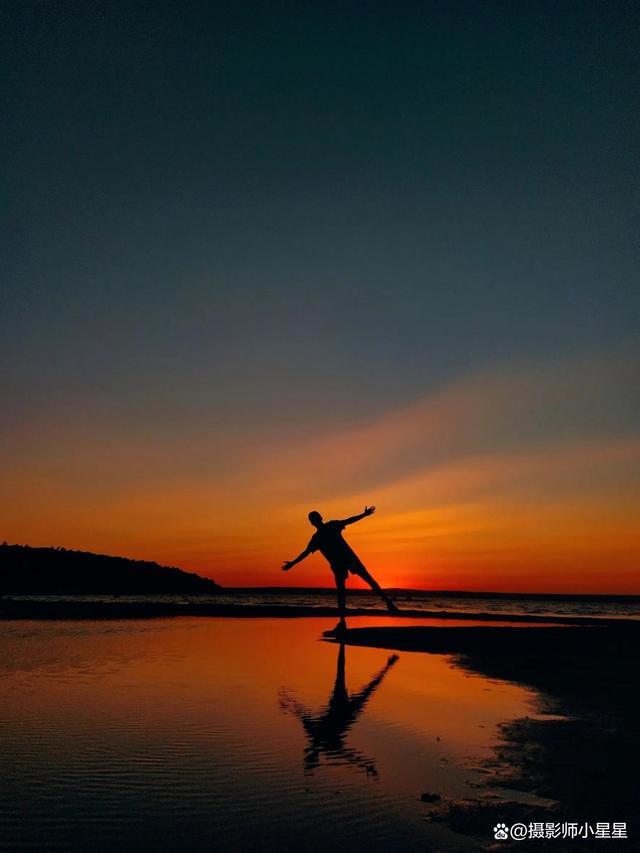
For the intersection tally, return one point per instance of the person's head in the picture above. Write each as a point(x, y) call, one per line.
point(315, 518)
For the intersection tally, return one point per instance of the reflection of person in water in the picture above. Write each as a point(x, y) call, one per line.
point(327, 730)
point(328, 540)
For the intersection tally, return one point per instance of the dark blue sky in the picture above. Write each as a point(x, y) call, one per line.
point(305, 208)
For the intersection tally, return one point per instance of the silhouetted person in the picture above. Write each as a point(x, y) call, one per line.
point(328, 540)
point(326, 731)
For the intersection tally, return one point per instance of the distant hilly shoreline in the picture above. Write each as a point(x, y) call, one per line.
point(26, 570)
point(57, 571)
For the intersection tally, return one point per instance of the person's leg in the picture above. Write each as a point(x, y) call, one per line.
point(342, 599)
point(373, 583)
point(342, 604)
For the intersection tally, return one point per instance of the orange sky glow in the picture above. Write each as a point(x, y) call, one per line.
point(517, 480)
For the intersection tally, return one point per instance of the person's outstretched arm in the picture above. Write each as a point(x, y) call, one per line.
point(291, 563)
point(368, 510)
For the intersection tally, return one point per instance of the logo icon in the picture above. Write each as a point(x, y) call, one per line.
point(500, 831)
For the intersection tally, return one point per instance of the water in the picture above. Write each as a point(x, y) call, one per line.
point(234, 734)
point(623, 607)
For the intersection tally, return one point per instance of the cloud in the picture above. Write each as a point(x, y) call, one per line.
point(543, 408)
point(496, 464)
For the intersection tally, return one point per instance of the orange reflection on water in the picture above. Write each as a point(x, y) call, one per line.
point(196, 727)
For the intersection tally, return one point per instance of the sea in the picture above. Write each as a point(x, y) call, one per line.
point(432, 604)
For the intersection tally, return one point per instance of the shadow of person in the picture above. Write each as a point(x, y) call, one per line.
point(327, 730)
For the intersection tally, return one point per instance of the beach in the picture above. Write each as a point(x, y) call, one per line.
point(256, 732)
point(583, 755)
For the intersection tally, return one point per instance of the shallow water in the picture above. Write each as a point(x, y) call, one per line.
point(235, 734)
point(448, 603)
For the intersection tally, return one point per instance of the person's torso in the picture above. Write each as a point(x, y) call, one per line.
point(328, 540)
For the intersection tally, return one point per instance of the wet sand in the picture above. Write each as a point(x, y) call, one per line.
point(583, 757)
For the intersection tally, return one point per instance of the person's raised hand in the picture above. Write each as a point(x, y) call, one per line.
point(369, 510)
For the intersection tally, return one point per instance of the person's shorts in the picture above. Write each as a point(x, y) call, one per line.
point(344, 571)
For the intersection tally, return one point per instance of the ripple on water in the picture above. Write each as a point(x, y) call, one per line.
point(173, 738)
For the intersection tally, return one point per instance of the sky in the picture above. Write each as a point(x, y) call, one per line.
point(268, 258)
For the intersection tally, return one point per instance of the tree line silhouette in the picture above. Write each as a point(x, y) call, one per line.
point(55, 571)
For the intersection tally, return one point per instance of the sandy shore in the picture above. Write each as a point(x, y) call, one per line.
point(583, 757)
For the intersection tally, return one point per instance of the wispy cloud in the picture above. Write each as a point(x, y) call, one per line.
point(488, 469)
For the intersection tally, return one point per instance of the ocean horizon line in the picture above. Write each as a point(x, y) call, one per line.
point(438, 593)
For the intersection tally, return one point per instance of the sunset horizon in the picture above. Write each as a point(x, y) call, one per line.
point(315, 577)
point(518, 478)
